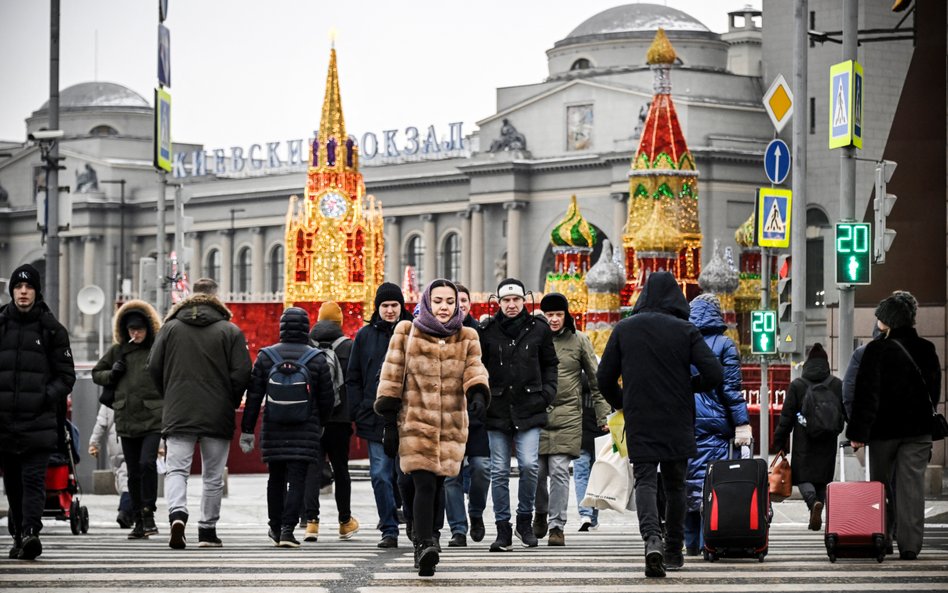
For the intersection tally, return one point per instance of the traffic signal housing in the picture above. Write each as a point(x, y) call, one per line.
point(784, 304)
point(764, 331)
point(882, 206)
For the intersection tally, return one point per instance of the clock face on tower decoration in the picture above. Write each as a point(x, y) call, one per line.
point(333, 204)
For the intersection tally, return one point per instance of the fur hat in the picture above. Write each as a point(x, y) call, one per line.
point(388, 291)
point(135, 320)
point(817, 351)
point(329, 311)
point(511, 287)
point(897, 310)
point(554, 302)
point(30, 275)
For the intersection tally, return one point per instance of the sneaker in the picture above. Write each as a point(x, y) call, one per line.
point(387, 541)
point(138, 531)
point(178, 541)
point(477, 529)
point(32, 548)
point(148, 522)
point(15, 550)
point(816, 516)
point(458, 540)
point(674, 560)
point(286, 537)
point(427, 559)
point(349, 528)
point(524, 531)
point(207, 538)
point(273, 536)
point(504, 541)
point(654, 557)
point(585, 524)
point(312, 531)
point(557, 537)
point(540, 525)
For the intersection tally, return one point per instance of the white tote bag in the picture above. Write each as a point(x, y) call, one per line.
point(610, 480)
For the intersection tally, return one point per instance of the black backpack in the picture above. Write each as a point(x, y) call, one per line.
point(822, 409)
point(288, 399)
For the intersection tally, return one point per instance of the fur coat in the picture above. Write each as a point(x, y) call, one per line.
point(442, 374)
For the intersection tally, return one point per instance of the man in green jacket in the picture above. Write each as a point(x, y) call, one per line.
point(561, 438)
point(201, 366)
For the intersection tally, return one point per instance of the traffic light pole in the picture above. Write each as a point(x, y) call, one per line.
point(764, 379)
point(798, 296)
point(847, 196)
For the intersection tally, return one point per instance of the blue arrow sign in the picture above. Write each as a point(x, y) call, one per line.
point(777, 161)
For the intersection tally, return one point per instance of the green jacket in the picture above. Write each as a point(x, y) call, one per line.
point(137, 402)
point(563, 434)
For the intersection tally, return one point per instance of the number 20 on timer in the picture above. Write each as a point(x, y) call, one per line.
point(764, 332)
point(853, 253)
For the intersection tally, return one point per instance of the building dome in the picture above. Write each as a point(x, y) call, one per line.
point(98, 94)
point(632, 20)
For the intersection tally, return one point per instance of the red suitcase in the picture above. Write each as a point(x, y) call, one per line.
point(855, 516)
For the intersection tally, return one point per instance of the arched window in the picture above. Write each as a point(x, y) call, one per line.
point(243, 270)
point(103, 130)
point(414, 257)
point(451, 256)
point(276, 263)
point(213, 265)
point(581, 64)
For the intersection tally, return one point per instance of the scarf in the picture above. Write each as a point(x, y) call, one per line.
point(511, 326)
point(428, 323)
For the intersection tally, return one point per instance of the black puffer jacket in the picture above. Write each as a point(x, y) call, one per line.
point(653, 352)
point(36, 375)
point(523, 372)
point(362, 376)
point(892, 400)
point(323, 334)
point(289, 442)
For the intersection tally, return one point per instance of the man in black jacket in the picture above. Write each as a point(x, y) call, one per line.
point(36, 376)
point(517, 349)
point(362, 382)
point(653, 351)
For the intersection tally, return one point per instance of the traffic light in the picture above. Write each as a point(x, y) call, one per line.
point(764, 332)
point(882, 205)
point(853, 265)
point(182, 224)
point(783, 287)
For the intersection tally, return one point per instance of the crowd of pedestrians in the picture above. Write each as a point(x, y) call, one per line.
point(445, 402)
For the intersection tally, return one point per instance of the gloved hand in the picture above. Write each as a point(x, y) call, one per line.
point(118, 370)
point(246, 442)
point(476, 409)
point(390, 439)
point(743, 435)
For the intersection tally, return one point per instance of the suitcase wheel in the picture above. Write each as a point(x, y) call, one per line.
point(832, 557)
point(760, 557)
point(710, 556)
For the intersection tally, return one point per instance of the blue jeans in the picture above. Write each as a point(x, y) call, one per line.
point(382, 472)
point(454, 494)
point(581, 468)
point(694, 538)
point(527, 443)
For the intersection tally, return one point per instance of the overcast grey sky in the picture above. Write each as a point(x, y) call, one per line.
point(246, 71)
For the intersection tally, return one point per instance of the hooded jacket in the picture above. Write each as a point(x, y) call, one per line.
point(653, 351)
point(36, 375)
point(719, 410)
point(812, 459)
point(290, 442)
point(138, 405)
point(201, 366)
point(323, 334)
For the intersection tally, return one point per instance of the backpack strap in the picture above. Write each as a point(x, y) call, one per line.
point(308, 356)
point(273, 354)
point(337, 342)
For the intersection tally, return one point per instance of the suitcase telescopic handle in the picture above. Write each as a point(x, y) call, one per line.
point(842, 464)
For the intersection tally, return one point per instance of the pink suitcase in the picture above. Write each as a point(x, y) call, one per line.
point(855, 517)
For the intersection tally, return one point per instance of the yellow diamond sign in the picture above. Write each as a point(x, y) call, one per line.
point(778, 102)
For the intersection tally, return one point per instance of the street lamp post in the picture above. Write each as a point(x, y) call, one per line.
point(233, 262)
point(121, 183)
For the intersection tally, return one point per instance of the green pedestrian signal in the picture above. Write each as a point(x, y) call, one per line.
point(853, 253)
point(764, 332)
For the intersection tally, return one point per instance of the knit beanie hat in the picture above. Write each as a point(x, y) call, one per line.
point(329, 311)
point(30, 275)
point(388, 291)
point(511, 287)
point(710, 298)
point(897, 310)
point(817, 351)
point(554, 302)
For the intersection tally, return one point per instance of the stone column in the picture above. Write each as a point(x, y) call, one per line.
point(430, 257)
point(476, 276)
point(67, 299)
point(227, 261)
point(197, 257)
point(393, 250)
point(465, 275)
point(256, 280)
point(513, 237)
point(88, 274)
point(620, 215)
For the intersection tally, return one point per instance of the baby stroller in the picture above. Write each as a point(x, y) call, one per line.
point(62, 487)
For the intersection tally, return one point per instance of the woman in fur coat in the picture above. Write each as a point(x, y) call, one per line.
point(431, 380)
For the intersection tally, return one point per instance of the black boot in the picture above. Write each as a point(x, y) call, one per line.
point(525, 531)
point(138, 529)
point(504, 542)
point(32, 547)
point(654, 556)
point(148, 522)
point(540, 525)
point(428, 557)
point(286, 537)
point(477, 529)
point(15, 550)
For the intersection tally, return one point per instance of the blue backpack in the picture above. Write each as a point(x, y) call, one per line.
point(288, 399)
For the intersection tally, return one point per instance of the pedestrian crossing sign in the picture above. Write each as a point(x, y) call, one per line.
point(772, 217)
point(845, 100)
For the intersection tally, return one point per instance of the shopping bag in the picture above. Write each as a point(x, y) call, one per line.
point(610, 480)
point(616, 424)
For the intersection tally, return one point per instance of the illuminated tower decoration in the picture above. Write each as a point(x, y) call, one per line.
point(603, 280)
point(721, 279)
point(663, 189)
point(573, 240)
point(334, 236)
point(747, 296)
